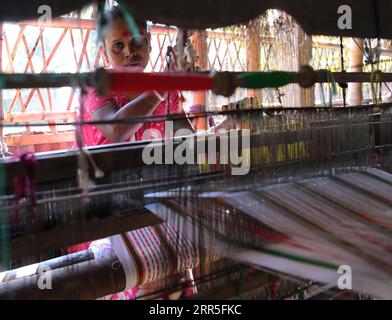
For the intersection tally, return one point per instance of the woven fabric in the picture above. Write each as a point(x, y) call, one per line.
point(153, 253)
point(309, 229)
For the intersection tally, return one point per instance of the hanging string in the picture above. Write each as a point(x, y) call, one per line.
point(240, 285)
point(83, 156)
point(98, 173)
point(343, 85)
point(369, 57)
point(274, 287)
point(24, 187)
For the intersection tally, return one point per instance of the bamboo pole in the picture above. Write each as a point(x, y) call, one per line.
point(354, 94)
point(200, 45)
point(306, 96)
point(253, 59)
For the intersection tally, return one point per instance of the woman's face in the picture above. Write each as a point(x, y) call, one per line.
point(123, 48)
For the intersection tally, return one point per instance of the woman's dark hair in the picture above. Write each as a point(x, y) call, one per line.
point(114, 13)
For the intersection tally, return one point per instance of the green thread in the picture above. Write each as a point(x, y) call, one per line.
point(322, 95)
point(260, 80)
point(129, 19)
point(301, 294)
point(2, 81)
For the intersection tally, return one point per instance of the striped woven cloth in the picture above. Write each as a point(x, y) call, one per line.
point(309, 228)
point(154, 253)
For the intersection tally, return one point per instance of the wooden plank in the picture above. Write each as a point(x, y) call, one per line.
point(40, 116)
point(66, 23)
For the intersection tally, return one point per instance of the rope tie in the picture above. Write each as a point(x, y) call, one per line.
point(376, 85)
point(332, 89)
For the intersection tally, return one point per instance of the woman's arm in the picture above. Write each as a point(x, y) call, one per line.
point(143, 105)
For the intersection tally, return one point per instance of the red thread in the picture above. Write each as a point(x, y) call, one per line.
point(24, 186)
point(123, 82)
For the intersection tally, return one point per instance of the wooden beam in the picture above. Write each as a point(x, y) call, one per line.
point(40, 116)
point(40, 138)
point(55, 263)
point(87, 24)
point(66, 23)
point(89, 279)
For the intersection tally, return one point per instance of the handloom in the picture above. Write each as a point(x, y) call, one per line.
point(282, 211)
point(311, 193)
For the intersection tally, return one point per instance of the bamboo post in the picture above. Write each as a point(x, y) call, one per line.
point(306, 97)
point(253, 60)
point(295, 51)
point(354, 93)
point(200, 45)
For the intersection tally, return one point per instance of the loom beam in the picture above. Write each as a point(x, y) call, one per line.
point(221, 83)
point(70, 281)
point(78, 232)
